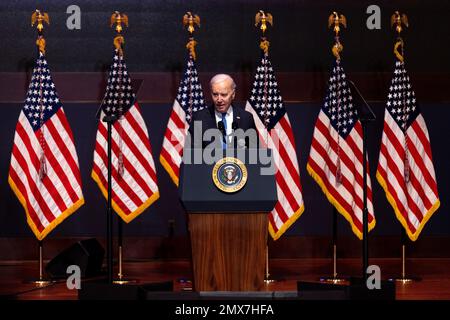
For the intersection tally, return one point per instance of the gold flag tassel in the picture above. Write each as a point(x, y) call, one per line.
point(39, 18)
point(398, 20)
point(42, 143)
point(119, 41)
point(335, 20)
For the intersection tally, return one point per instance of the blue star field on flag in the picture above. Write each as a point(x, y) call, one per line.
point(338, 105)
point(265, 96)
point(190, 94)
point(42, 100)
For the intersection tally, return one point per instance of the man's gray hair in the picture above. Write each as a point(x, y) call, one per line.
point(222, 77)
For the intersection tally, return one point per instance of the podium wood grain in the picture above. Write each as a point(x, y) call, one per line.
point(228, 250)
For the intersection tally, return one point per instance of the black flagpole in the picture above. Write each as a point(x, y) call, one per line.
point(120, 243)
point(334, 278)
point(365, 210)
point(365, 115)
point(109, 119)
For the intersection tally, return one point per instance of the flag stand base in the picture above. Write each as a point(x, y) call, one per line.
point(267, 281)
point(405, 280)
point(121, 280)
point(41, 282)
point(333, 280)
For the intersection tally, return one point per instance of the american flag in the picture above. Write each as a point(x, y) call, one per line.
point(336, 157)
point(189, 99)
point(405, 166)
point(275, 132)
point(134, 184)
point(44, 172)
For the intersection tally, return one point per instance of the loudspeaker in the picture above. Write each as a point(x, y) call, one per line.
point(87, 254)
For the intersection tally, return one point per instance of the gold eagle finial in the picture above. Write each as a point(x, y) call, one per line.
point(263, 18)
point(190, 20)
point(335, 19)
point(119, 18)
point(39, 17)
point(398, 19)
point(119, 40)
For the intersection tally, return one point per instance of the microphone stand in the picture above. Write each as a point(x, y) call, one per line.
point(365, 115)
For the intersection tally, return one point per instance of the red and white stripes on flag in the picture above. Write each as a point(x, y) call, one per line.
point(189, 100)
point(275, 132)
point(134, 183)
point(173, 143)
point(336, 157)
point(44, 172)
point(405, 166)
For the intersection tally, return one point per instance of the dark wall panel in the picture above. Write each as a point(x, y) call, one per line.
point(228, 40)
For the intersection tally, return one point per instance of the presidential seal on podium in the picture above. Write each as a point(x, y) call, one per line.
point(229, 174)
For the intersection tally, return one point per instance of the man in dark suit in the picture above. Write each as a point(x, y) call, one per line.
point(223, 118)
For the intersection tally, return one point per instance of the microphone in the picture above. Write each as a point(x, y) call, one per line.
point(221, 127)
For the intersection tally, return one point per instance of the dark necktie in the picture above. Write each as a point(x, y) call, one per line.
point(224, 120)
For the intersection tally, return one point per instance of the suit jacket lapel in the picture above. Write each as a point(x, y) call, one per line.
point(213, 123)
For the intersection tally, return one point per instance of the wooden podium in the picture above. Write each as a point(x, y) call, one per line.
point(228, 250)
point(228, 231)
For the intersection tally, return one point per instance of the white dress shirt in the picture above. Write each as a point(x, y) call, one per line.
point(228, 119)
